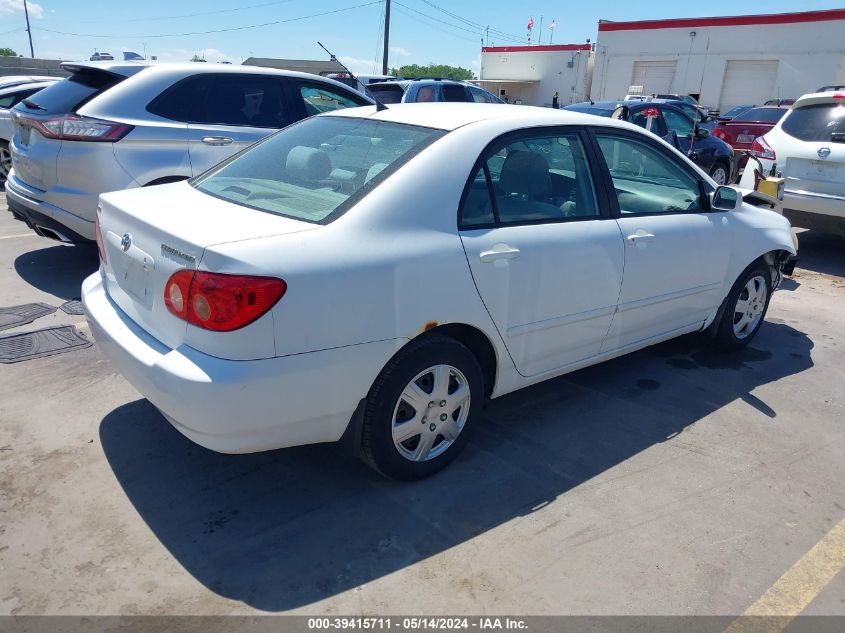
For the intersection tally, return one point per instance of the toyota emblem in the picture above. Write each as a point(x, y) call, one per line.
point(823, 152)
point(126, 242)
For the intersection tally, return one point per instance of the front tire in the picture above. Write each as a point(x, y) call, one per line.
point(745, 308)
point(422, 408)
point(5, 161)
point(720, 173)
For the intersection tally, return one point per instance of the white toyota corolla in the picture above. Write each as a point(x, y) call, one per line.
point(379, 274)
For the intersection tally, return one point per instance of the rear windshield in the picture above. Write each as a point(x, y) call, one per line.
point(765, 115)
point(318, 168)
point(71, 93)
point(816, 122)
point(386, 94)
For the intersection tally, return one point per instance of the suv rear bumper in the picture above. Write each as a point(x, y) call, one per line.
point(822, 212)
point(40, 215)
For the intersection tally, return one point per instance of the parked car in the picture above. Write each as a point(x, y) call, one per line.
point(693, 111)
point(101, 57)
point(10, 81)
point(808, 146)
point(132, 124)
point(779, 102)
point(422, 90)
point(741, 131)
point(10, 97)
point(709, 110)
point(360, 82)
point(307, 291)
point(673, 125)
point(733, 112)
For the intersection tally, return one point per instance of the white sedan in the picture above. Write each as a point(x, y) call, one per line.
point(379, 274)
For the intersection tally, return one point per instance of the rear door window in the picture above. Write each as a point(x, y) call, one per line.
point(181, 100)
point(816, 123)
point(247, 100)
point(9, 100)
point(455, 92)
point(386, 94)
point(72, 93)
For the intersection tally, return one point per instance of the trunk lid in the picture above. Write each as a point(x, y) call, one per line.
point(150, 233)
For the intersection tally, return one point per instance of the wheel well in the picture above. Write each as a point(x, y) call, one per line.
point(165, 180)
point(478, 344)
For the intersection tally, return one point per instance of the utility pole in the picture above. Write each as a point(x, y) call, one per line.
point(28, 31)
point(386, 36)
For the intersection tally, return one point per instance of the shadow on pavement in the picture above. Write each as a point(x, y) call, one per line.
point(821, 252)
point(58, 270)
point(284, 529)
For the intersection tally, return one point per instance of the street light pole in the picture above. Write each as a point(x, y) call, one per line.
point(28, 31)
point(386, 36)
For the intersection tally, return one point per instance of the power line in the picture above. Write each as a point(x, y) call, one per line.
point(399, 8)
point(226, 30)
point(477, 31)
point(477, 25)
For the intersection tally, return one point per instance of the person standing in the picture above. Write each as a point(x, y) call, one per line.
point(555, 101)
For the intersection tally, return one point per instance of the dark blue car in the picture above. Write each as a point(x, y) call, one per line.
point(676, 127)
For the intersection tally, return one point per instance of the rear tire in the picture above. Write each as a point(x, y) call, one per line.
point(422, 408)
point(745, 308)
point(5, 161)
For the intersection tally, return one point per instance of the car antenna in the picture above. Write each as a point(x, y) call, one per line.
point(379, 105)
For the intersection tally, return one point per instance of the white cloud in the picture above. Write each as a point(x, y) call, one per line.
point(360, 66)
point(398, 50)
point(16, 6)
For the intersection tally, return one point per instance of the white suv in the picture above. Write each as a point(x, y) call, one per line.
point(118, 125)
point(808, 147)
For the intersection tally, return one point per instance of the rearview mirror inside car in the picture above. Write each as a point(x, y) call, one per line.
point(725, 199)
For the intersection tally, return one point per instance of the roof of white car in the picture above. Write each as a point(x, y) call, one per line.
point(815, 98)
point(450, 116)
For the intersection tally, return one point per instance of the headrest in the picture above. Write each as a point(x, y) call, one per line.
point(308, 163)
point(525, 173)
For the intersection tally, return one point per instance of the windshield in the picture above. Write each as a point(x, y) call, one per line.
point(818, 122)
point(764, 115)
point(316, 169)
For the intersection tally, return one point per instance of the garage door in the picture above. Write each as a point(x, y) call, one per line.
point(748, 82)
point(654, 77)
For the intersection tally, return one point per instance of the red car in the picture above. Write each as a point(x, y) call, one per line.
point(741, 131)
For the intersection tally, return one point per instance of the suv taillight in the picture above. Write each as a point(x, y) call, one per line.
point(72, 127)
point(761, 149)
point(219, 302)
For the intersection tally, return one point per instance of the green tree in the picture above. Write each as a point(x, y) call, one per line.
point(7, 52)
point(444, 71)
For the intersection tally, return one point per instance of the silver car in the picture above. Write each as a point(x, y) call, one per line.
point(118, 125)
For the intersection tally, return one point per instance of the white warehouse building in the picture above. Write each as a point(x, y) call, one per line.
point(724, 61)
point(532, 74)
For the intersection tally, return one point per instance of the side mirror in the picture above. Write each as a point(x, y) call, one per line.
point(725, 199)
point(620, 113)
point(701, 132)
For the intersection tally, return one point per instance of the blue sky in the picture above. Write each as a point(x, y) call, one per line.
point(422, 31)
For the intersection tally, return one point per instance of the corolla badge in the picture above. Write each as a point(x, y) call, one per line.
point(823, 152)
point(126, 242)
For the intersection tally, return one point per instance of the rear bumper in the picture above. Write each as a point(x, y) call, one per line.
point(37, 212)
point(815, 211)
point(238, 406)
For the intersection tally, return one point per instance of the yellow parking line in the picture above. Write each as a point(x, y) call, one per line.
point(9, 237)
point(798, 587)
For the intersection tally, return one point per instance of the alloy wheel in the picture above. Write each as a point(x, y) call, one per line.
point(750, 306)
point(5, 161)
point(431, 413)
point(720, 176)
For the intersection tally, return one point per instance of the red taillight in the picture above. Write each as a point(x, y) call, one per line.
point(73, 127)
point(761, 149)
point(99, 237)
point(838, 96)
point(718, 133)
point(219, 302)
